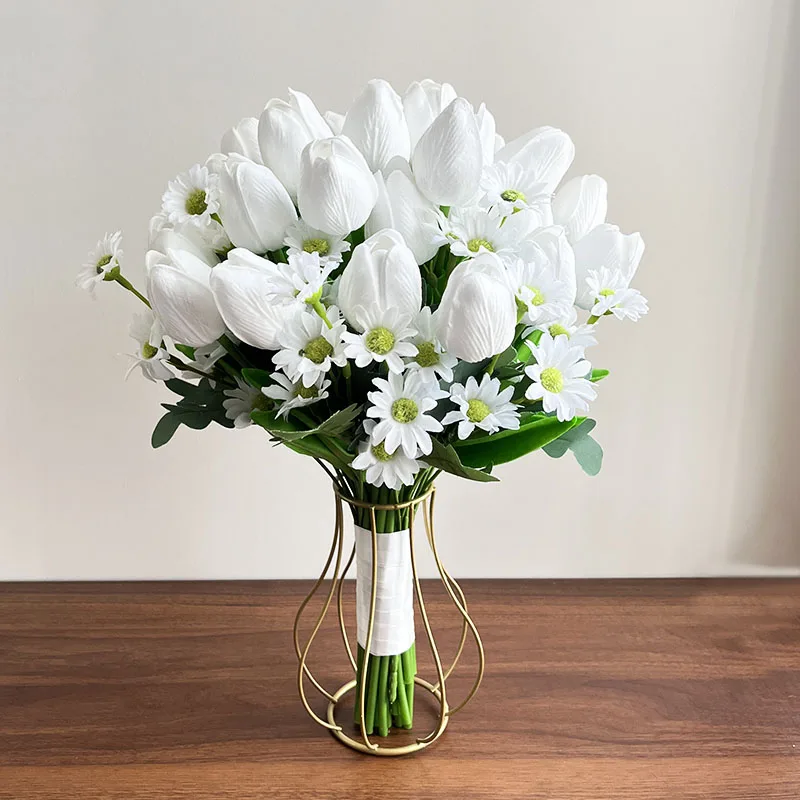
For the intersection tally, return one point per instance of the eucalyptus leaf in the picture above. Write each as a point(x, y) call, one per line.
point(165, 429)
point(588, 454)
point(445, 458)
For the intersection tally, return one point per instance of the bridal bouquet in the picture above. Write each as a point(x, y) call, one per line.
point(395, 292)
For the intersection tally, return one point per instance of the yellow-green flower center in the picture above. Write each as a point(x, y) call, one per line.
point(260, 402)
point(196, 202)
point(103, 262)
point(606, 292)
point(537, 298)
point(148, 351)
point(379, 451)
point(404, 410)
point(552, 380)
point(380, 341)
point(317, 350)
point(477, 410)
point(306, 392)
point(512, 195)
point(320, 246)
point(474, 245)
point(558, 330)
point(427, 355)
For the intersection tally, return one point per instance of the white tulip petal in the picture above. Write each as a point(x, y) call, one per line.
point(547, 152)
point(314, 122)
point(335, 121)
point(243, 140)
point(580, 205)
point(423, 102)
point(550, 246)
point(486, 126)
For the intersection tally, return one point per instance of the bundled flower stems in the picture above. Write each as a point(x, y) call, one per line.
point(395, 292)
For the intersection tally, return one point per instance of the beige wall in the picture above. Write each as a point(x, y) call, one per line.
point(688, 107)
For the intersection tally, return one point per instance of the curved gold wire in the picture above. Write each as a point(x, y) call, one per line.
point(340, 611)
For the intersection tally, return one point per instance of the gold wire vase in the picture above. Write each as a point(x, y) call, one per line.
point(438, 688)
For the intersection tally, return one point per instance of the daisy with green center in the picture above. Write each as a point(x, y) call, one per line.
point(150, 354)
point(430, 359)
point(559, 377)
point(392, 470)
point(473, 230)
point(310, 346)
point(292, 394)
point(243, 400)
point(102, 263)
point(402, 405)
point(541, 296)
point(385, 339)
point(482, 405)
point(192, 197)
point(578, 335)
point(302, 238)
point(612, 295)
point(509, 188)
point(301, 282)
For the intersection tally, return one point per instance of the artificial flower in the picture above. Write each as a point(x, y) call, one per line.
point(612, 295)
point(473, 230)
point(105, 257)
point(482, 405)
point(580, 205)
point(302, 238)
point(448, 158)
point(385, 338)
point(292, 394)
point(337, 190)
point(545, 154)
point(423, 102)
point(477, 315)
point(165, 236)
point(559, 377)
point(392, 470)
point(300, 281)
point(202, 360)
point(578, 335)
point(284, 129)
point(509, 187)
point(310, 346)
point(541, 297)
point(335, 121)
point(242, 139)
point(382, 274)
point(191, 197)
point(488, 133)
point(377, 126)
point(150, 355)
point(241, 402)
point(549, 246)
point(401, 406)
point(431, 360)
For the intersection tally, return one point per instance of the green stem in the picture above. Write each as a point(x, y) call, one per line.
point(320, 309)
point(592, 320)
point(492, 365)
point(126, 284)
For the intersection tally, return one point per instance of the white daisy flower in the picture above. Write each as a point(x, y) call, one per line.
point(559, 377)
point(309, 348)
point(509, 187)
point(392, 470)
point(292, 394)
point(474, 230)
point(385, 339)
point(482, 405)
point(430, 359)
point(192, 197)
point(241, 401)
point(612, 295)
point(150, 353)
point(541, 296)
point(105, 257)
point(301, 281)
point(401, 406)
point(302, 238)
point(578, 335)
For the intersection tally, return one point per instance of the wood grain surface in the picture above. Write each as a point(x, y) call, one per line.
point(594, 690)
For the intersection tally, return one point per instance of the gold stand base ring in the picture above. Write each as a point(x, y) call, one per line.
point(381, 750)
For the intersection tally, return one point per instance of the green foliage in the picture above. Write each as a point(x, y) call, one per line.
point(598, 375)
point(445, 458)
point(288, 431)
point(257, 377)
point(588, 453)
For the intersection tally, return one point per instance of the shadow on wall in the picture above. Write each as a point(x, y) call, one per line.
point(766, 522)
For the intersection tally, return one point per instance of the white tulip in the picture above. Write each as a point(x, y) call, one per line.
point(448, 158)
point(164, 237)
point(241, 286)
point(549, 247)
point(477, 315)
point(488, 132)
point(178, 288)
point(284, 129)
point(377, 126)
point(402, 206)
point(243, 140)
point(254, 207)
point(605, 246)
point(580, 205)
point(422, 103)
point(382, 275)
point(337, 190)
point(546, 152)
point(335, 121)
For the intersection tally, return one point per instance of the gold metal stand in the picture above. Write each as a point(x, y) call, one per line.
point(439, 689)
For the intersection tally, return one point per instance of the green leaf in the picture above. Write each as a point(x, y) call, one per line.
point(257, 377)
point(288, 431)
point(186, 350)
point(195, 417)
point(200, 393)
point(598, 375)
point(445, 458)
point(507, 445)
point(559, 446)
point(165, 429)
point(588, 454)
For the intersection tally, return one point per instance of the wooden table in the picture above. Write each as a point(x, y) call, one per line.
point(594, 689)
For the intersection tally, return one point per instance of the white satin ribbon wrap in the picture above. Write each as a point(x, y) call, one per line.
point(393, 629)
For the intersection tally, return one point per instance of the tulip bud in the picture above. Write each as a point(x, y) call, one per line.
point(422, 103)
point(284, 129)
point(337, 191)
point(382, 274)
point(477, 316)
point(580, 205)
point(165, 237)
point(178, 287)
point(241, 286)
point(377, 126)
point(401, 206)
point(448, 158)
point(255, 208)
point(545, 152)
point(242, 139)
